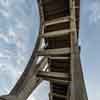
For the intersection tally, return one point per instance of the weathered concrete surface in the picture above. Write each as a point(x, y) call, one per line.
point(8, 97)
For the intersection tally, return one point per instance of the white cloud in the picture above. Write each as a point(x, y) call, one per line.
point(94, 9)
point(4, 91)
point(16, 28)
point(11, 32)
point(2, 55)
point(4, 2)
point(9, 71)
point(20, 25)
point(8, 76)
point(4, 13)
point(4, 37)
point(92, 85)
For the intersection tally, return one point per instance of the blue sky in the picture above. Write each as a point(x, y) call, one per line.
point(90, 43)
point(18, 28)
point(19, 22)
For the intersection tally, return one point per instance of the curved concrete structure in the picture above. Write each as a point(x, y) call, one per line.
point(60, 30)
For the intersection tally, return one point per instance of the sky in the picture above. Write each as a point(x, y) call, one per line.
point(19, 23)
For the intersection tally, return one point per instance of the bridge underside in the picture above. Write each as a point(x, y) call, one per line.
point(59, 30)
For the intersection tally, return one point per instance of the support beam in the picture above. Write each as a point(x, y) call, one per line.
point(54, 76)
point(54, 52)
point(58, 58)
point(57, 33)
point(73, 44)
point(57, 95)
point(58, 20)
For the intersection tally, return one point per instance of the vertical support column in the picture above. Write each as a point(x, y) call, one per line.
point(51, 98)
point(42, 16)
point(42, 20)
point(74, 43)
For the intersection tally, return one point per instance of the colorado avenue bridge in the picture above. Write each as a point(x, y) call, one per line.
point(60, 61)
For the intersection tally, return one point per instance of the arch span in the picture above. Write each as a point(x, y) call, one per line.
point(60, 55)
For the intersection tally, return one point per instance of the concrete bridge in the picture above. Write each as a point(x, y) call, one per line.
point(60, 57)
